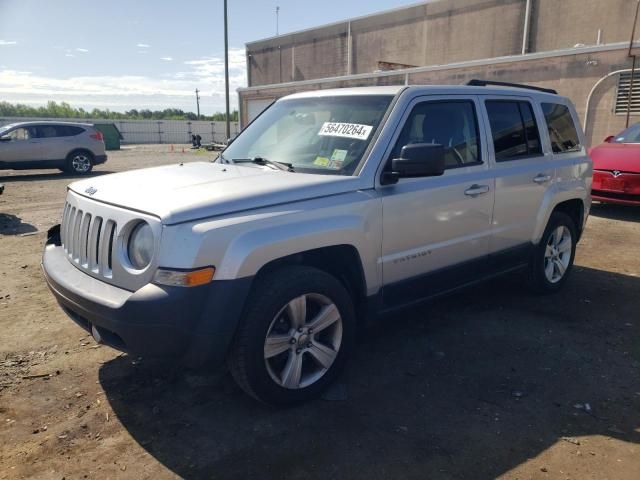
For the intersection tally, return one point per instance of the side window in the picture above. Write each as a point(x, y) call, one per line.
point(562, 131)
point(47, 131)
point(514, 130)
point(450, 123)
point(23, 133)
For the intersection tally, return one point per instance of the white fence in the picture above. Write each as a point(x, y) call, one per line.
point(153, 131)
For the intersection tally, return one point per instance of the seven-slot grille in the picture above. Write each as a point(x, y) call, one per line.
point(88, 240)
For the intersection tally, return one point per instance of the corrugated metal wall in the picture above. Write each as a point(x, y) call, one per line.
point(153, 131)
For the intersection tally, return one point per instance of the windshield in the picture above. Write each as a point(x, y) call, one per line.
point(5, 128)
point(630, 135)
point(314, 135)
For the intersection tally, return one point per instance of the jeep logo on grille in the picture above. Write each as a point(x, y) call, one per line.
point(90, 191)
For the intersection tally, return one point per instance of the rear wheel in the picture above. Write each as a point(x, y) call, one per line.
point(79, 162)
point(296, 334)
point(553, 257)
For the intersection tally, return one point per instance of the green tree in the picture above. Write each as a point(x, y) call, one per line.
point(65, 110)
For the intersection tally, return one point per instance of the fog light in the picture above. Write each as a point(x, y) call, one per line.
point(190, 278)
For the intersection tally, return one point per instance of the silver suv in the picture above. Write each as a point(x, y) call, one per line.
point(71, 147)
point(331, 207)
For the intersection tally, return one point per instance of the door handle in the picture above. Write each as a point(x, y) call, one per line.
point(541, 178)
point(475, 190)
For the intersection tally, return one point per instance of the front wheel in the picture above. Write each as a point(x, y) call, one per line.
point(295, 337)
point(553, 257)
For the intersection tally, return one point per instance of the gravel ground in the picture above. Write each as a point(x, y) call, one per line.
point(492, 382)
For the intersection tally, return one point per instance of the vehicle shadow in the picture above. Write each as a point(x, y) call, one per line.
point(611, 211)
point(30, 177)
point(468, 386)
point(13, 225)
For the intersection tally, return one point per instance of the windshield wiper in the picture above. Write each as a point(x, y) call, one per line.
point(265, 161)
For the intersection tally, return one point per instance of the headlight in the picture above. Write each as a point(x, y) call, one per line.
point(140, 248)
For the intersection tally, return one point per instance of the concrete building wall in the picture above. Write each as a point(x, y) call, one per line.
point(572, 75)
point(435, 33)
point(557, 24)
point(444, 37)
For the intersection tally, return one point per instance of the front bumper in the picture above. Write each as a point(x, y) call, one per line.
point(195, 325)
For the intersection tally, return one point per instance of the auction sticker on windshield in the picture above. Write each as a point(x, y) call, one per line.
point(346, 130)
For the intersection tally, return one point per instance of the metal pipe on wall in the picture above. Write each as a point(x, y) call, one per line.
point(593, 89)
point(525, 30)
point(349, 48)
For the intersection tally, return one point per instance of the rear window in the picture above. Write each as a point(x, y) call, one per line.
point(562, 130)
point(514, 130)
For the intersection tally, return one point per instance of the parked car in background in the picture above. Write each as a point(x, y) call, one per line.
point(330, 206)
point(70, 147)
point(616, 168)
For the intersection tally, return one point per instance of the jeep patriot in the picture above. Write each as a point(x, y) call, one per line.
point(330, 207)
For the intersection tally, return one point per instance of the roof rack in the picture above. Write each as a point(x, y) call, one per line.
point(483, 83)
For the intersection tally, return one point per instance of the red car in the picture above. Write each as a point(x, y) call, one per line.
point(616, 168)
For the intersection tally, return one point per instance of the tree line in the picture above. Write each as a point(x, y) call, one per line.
point(64, 110)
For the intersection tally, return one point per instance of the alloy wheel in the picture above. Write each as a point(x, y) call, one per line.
point(557, 255)
point(303, 341)
point(81, 163)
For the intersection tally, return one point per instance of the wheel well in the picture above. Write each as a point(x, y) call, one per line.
point(341, 261)
point(575, 209)
point(83, 150)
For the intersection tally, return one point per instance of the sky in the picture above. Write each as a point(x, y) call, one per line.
point(124, 54)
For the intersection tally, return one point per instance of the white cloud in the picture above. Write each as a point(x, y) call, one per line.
point(123, 92)
point(143, 45)
point(82, 50)
point(8, 42)
point(69, 54)
point(166, 59)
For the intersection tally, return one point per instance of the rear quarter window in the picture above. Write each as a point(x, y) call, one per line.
point(562, 131)
point(68, 130)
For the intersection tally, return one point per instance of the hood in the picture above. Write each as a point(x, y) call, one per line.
point(179, 193)
point(616, 156)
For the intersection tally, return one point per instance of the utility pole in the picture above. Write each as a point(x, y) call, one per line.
point(226, 72)
point(277, 17)
point(198, 103)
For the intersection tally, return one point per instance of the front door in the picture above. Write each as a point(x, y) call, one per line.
point(23, 145)
point(432, 225)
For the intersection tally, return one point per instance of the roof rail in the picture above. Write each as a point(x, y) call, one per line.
point(483, 83)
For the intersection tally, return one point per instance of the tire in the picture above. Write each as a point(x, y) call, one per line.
point(79, 162)
point(552, 259)
point(274, 310)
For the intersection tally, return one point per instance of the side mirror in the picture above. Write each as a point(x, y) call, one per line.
point(417, 160)
point(609, 138)
point(5, 138)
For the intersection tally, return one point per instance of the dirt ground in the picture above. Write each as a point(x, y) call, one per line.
point(490, 383)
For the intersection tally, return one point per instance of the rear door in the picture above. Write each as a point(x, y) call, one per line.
point(52, 138)
point(432, 225)
point(522, 168)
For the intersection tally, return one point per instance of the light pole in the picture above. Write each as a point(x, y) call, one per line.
point(226, 72)
point(277, 15)
point(198, 103)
